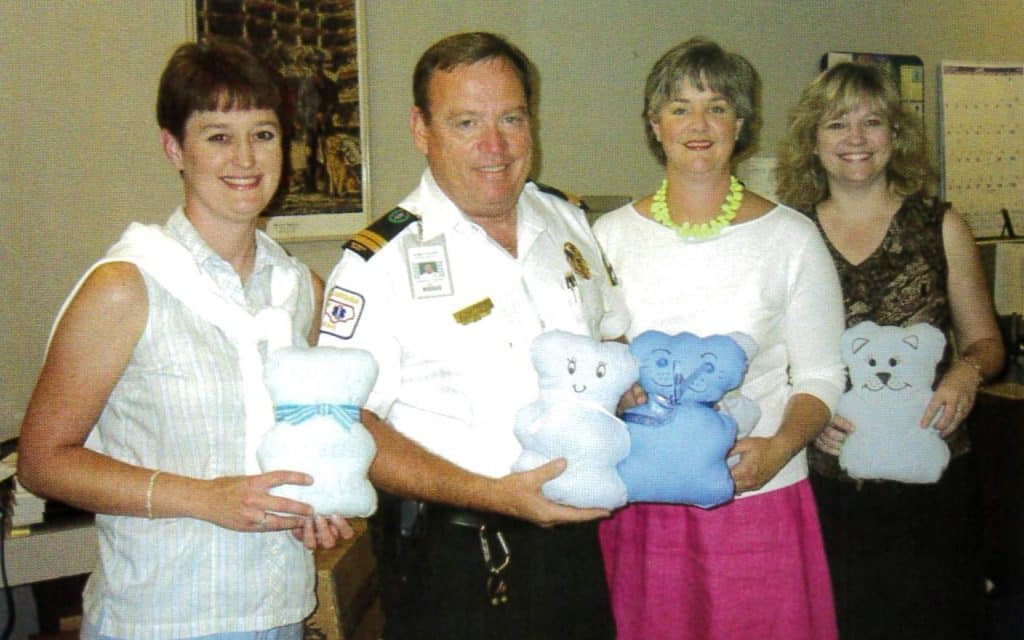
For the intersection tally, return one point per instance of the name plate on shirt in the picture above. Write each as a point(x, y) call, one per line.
point(473, 312)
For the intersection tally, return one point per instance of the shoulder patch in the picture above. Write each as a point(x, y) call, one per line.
point(342, 310)
point(373, 238)
point(564, 195)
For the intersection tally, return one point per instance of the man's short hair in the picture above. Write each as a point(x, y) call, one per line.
point(466, 48)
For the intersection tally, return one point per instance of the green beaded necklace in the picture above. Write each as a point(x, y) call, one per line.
point(704, 230)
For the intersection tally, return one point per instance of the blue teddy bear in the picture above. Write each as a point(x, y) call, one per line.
point(891, 374)
point(580, 381)
point(679, 441)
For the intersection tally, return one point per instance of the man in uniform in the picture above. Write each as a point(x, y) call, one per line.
point(465, 548)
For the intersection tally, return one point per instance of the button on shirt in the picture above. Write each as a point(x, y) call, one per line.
point(455, 386)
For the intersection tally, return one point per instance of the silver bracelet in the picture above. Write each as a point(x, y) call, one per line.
point(149, 493)
point(973, 365)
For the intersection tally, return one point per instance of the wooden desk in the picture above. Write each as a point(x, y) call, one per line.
point(53, 552)
point(997, 433)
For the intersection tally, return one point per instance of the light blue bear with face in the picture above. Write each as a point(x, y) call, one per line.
point(679, 440)
point(891, 374)
point(580, 382)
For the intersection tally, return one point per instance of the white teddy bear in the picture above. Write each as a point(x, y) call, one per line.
point(891, 374)
point(581, 381)
point(317, 393)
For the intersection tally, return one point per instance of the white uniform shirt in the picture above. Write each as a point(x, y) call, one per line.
point(771, 278)
point(450, 382)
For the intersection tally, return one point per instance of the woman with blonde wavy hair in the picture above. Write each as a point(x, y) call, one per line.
point(857, 163)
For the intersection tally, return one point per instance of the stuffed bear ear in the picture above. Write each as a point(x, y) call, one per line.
point(855, 337)
point(859, 343)
point(928, 339)
point(618, 349)
point(748, 344)
point(546, 344)
point(647, 341)
point(624, 359)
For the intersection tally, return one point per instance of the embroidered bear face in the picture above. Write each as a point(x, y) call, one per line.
point(679, 440)
point(688, 367)
point(580, 382)
point(891, 373)
point(581, 367)
point(884, 360)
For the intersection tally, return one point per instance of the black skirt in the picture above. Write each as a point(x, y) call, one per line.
point(905, 559)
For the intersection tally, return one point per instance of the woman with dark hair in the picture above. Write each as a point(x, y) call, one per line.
point(150, 403)
point(706, 256)
point(856, 161)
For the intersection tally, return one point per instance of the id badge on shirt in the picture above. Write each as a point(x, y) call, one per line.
point(429, 272)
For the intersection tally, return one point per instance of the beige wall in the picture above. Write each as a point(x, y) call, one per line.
point(79, 156)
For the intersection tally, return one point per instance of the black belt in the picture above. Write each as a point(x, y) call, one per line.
point(414, 514)
point(414, 517)
point(410, 517)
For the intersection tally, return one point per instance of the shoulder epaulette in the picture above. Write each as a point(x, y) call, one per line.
point(373, 238)
point(558, 193)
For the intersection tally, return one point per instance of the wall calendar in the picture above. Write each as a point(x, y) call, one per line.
point(981, 113)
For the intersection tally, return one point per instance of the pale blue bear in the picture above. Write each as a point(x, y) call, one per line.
point(679, 440)
point(317, 393)
point(580, 381)
point(891, 374)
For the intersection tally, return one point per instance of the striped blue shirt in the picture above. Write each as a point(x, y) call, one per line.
point(179, 407)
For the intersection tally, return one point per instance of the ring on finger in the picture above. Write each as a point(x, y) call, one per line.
point(262, 523)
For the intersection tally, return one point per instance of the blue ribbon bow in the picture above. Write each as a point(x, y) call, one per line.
point(659, 408)
point(343, 414)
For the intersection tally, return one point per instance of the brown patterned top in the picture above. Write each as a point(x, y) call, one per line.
point(901, 283)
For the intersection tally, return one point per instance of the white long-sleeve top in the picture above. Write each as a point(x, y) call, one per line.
point(771, 278)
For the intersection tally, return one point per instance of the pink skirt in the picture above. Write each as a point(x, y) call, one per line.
point(751, 569)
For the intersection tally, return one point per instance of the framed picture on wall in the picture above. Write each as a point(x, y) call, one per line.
point(317, 48)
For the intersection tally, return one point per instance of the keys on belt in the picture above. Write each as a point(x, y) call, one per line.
point(497, 588)
point(413, 515)
point(495, 585)
point(412, 518)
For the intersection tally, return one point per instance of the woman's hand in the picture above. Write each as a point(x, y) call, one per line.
point(244, 503)
point(832, 437)
point(323, 531)
point(974, 325)
point(760, 460)
point(953, 398)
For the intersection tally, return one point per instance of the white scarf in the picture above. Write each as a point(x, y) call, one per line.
point(152, 250)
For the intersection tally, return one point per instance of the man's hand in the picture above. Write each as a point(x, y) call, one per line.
point(634, 397)
point(521, 497)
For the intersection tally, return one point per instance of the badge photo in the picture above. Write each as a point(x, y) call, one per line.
point(429, 274)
